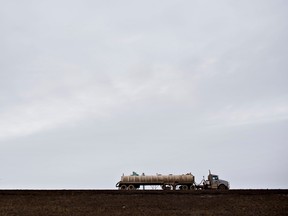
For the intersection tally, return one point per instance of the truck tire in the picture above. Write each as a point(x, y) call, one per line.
point(166, 187)
point(185, 187)
point(192, 187)
point(131, 187)
point(123, 187)
point(221, 187)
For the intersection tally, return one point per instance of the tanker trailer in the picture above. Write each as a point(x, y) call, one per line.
point(166, 182)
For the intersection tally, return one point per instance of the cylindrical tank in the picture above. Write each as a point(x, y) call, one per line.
point(158, 179)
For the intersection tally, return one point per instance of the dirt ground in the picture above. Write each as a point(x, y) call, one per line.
point(114, 202)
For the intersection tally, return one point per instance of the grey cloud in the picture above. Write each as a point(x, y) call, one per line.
point(154, 81)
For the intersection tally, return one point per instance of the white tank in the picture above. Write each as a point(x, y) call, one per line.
point(158, 179)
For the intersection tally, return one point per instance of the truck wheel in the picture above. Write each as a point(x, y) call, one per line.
point(123, 187)
point(222, 187)
point(131, 187)
point(166, 187)
point(184, 187)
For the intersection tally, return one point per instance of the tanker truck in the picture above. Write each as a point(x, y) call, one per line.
point(171, 182)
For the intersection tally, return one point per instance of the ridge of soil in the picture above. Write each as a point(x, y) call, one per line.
point(143, 202)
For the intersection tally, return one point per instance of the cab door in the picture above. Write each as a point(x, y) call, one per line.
point(214, 181)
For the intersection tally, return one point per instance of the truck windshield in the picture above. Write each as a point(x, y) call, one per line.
point(215, 177)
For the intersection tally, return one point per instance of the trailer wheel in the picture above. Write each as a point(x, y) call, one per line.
point(184, 187)
point(166, 187)
point(123, 187)
point(131, 187)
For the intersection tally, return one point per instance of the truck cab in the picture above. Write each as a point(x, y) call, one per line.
point(214, 182)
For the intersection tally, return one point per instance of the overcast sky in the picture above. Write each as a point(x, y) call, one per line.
point(90, 90)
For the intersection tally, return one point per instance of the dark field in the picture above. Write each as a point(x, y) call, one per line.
point(152, 202)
